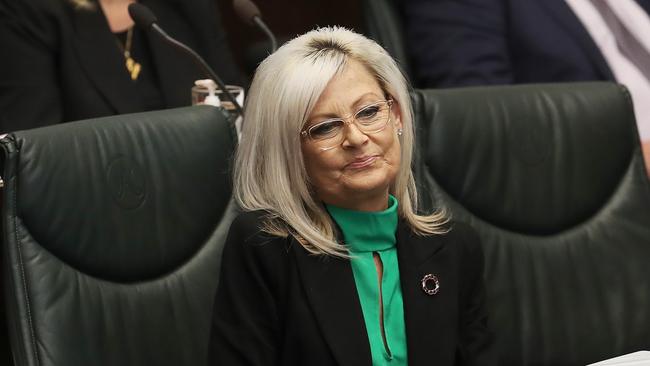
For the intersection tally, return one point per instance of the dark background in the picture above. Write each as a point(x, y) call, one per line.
point(287, 19)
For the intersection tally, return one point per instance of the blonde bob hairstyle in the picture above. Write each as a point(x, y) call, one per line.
point(270, 172)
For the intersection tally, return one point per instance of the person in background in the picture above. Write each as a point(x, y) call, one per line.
point(67, 60)
point(330, 263)
point(484, 42)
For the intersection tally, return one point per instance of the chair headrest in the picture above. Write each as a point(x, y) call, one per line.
point(501, 151)
point(124, 198)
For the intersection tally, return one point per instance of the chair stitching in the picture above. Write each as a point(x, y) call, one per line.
point(24, 278)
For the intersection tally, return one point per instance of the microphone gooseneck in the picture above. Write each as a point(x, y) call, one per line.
point(145, 19)
point(250, 14)
point(260, 24)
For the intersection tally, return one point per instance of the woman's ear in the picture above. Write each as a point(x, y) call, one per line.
point(396, 111)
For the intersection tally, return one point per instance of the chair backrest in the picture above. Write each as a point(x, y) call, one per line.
point(383, 23)
point(552, 178)
point(112, 237)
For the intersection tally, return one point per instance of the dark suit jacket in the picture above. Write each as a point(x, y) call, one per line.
point(278, 305)
point(60, 64)
point(481, 42)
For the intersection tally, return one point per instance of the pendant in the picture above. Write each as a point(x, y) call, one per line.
point(133, 68)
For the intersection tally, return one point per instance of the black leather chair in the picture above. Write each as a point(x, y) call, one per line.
point(552, 178)
point(112, 237)
point(382, 22)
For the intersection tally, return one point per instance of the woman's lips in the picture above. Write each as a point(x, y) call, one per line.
point(362, 162)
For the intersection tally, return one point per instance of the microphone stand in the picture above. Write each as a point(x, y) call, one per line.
point(199, 61)
point(260, 24)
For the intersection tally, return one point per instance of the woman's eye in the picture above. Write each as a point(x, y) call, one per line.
point(368, 112)
point(325, 129)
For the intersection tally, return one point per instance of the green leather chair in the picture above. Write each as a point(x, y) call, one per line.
point(552, 178)
point(112, 237)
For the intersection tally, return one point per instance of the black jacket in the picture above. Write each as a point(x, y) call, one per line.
point(60, 64)
point(487, 42)
point(278, 305)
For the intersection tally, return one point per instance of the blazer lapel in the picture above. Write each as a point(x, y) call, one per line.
point(102, 61)
point(176, 69)
point(430, 321)
point(332, 294)
point(563, 13)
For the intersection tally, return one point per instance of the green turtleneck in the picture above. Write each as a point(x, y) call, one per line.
point(366, 233)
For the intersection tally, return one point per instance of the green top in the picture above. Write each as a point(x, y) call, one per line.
point(366, 233)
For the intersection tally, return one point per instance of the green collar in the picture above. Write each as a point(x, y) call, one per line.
point(367, 231)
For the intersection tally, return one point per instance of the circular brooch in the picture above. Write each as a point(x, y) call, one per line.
point(430, 284)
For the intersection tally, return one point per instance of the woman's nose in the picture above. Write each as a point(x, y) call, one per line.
point(353, 136)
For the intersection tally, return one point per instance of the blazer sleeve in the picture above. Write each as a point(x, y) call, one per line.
point(458, 42)
point(476, 339)
point(246, 320)
point(30, 95)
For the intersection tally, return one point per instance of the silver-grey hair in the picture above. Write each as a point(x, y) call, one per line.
point(269, 169)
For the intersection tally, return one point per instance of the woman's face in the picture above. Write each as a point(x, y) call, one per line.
point(355, 169)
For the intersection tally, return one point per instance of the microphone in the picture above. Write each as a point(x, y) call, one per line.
point(250, 14)
point(142, 16)
point(145, 19)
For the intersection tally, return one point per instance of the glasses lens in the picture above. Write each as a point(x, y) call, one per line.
point(372, 118)
point(326, 130)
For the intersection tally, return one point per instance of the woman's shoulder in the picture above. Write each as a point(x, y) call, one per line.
point(460, 237)
point(466, 239)
point(251, 222)
point(463, 231)
point(249, 218)
point(251, 253)
point(247, 232)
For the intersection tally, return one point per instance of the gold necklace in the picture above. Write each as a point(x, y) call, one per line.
point(132, 66)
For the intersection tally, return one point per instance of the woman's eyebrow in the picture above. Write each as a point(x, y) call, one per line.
point(321, 117)
point(358, 103)
point(361, 100)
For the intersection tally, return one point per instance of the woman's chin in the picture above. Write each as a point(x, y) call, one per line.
point(370, 178)
point(370, 184)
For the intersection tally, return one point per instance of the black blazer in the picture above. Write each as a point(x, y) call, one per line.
point(278, 305)
point(60, 64)
point(482, 42)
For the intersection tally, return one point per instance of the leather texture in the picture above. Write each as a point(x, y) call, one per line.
point(552, 178)
point(113, 235)
point(383, 23)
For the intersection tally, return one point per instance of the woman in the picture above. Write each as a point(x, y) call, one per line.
point(330, 264)
point(67, 60)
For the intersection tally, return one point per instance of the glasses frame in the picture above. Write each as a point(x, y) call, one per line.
point(348, 121)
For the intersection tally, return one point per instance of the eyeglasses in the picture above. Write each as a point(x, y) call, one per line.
point(370, 119)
